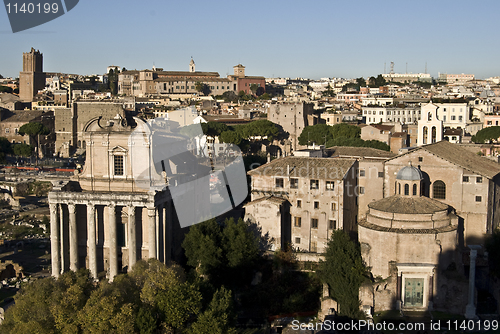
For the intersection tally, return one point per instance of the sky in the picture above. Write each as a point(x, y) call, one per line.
point(272, 38)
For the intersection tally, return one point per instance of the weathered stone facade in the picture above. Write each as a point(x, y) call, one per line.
point(292, 117)
point(461, 179)
point(408, 241)
point(117, 210)
point(70, 123)
point(301, 200)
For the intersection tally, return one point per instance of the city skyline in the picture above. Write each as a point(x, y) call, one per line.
point(272, 39)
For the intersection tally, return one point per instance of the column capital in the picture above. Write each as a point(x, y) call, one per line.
point(131, 210)
point(71, 208)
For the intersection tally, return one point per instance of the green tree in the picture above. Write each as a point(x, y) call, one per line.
point(213, 129)
point(230, 137)
point(49, 305)
point(166, 292)
point(265, 96)
point(6, 89)
point(202, 247)
point(5, 148)
point(375, 82)
point(31, 312)
point(108, 310)
point(202, 88)
point(361, 82)
point(253, 88)
point(329, 91)
point(229, 96)
point(22, 150)
point(319, 134)
point(260, 128)
point(357, 142)
point(34, 130)
point(345, 130)
point(222, 253)
point(219, 317)
point(344, 272)
point(490, 134)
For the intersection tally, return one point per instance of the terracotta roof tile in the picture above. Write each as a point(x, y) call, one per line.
point(314, 168)
point(408, 205)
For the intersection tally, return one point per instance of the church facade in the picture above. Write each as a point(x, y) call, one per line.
point(117, 210)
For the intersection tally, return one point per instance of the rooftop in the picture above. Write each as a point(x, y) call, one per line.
point(358, 152)
point(313, 168)
point(408, 205)
point(462, 157)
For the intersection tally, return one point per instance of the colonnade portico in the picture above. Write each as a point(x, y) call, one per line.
point(87, 230)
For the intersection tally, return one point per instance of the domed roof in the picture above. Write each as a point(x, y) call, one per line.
point(409, 173)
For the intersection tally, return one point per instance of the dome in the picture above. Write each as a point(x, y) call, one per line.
point(409, 173)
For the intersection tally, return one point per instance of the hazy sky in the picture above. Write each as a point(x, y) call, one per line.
point(271, 38)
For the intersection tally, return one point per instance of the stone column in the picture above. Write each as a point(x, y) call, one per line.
point(152, 232)
point(54, 241)
point(470, 309)
point(91, 240)
point(132, 239)
point(73, 238)
point(113, 249)
point(158, 233)
point(63, 246)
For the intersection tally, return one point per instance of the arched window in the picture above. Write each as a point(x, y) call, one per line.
point(425, 134)
point(399, 189)
point(433, 134)
point(414, 190)
point(439, 190)
point(407, 189)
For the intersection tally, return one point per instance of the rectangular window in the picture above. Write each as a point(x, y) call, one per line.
point(330, 185)
point(299, 203)
point(361, 190)
point(334, 206)
point(298, 222)
point(361, 172)
point(294, 183)
point(380, 174)
point(314, 184)
point(314, 223)
point(314, 246)
point(479, 179)
point(465, 179)
point(316, 205)
point(279, 183)
point(118, 164)
point(478, 198)
point(297, 240)
point(420, 159)
point(332, 225)
point(7, 130)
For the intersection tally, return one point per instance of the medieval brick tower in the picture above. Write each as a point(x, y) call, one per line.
point(32, 77)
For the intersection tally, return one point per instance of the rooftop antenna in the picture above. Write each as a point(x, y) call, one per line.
point(406, 68)
point(392, 67)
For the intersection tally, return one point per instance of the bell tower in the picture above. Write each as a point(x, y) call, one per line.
point(191, 66)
